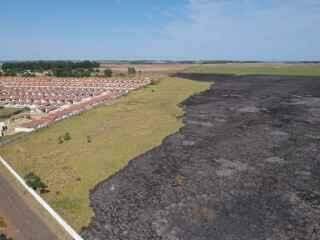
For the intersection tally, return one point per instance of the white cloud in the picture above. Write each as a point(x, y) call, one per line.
point(245, 29)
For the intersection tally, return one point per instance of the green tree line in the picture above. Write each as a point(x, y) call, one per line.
point(56, 68)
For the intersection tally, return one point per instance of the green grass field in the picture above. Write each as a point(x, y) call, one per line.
point(258, 69)
point(103, 140)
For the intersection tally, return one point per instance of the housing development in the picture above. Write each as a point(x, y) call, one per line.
point(52, 99)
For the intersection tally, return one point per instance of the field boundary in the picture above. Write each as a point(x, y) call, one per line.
point(42, 202)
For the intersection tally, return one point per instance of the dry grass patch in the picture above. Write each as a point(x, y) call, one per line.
point(3, 224)
point(258, 69)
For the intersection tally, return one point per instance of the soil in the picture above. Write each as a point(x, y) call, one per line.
point(246, 166)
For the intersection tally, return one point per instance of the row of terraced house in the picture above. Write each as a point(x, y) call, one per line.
point(61, 97)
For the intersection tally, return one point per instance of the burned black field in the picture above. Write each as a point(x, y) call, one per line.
point(245, 166)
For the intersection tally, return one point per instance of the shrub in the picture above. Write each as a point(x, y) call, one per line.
point(107, 72)
point(35, 182)
point(10, 73)
point(60, 140)
point(155, 82)
point(89, 139)
point(131, 71)
point(67, 136)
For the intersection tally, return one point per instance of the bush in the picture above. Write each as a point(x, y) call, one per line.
point(10, 73)
point(107, 72)
point(131, 71)
point(67, 136)
point(89, 139)
point(155, 82)
point(35, 182)
point(60, 140)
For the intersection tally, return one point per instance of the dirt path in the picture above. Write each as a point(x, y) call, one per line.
point(23, 223)
point(246, 166)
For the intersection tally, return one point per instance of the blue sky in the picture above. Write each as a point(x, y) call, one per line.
point(160, 29)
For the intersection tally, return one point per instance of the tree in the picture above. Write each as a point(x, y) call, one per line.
point(35, 182)
point(107, 72)
point(131, 71)
point(58, 68)
point(10, 73)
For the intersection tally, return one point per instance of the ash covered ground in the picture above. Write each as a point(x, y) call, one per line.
point(245, 166)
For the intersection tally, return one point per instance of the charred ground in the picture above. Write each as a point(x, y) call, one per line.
point(246, 165)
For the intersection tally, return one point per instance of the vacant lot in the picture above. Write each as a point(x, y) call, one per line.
point(246, 165)
point(6, 113)
point(102, 142)
point(147, 68)
point(258, 69)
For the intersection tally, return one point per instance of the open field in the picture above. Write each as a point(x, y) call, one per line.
point(6, 112)
point(147, 68)
point(246, 165)
point(258, 69)
point(103, 140)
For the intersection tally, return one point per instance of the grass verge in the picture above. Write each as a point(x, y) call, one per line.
point(6, 112)
point(258, 69)
point(101, 142)
point(34, 207)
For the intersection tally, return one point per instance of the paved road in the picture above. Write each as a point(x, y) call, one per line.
point(26, 224)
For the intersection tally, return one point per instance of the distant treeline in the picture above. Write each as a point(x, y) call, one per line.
point(226, 61)
point(139, 62)
point(38, 66)
point(55, 68)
